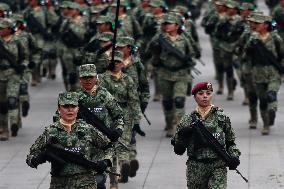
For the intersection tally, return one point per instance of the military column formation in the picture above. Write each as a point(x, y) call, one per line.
point(97, 120)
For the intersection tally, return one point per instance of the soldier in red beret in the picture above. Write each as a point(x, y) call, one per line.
point(205, 168)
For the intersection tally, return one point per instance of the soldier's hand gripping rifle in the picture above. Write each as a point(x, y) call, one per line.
point(92, 119)
point(214, 144)
point(262, 56)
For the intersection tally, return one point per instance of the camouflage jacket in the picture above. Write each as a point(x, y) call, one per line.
point(136, 71)
point(123, 90)
point(266, 73)
point(104, 106)
point(219, 125)
point(82, 135)
point(171, 67)
point(9, 64)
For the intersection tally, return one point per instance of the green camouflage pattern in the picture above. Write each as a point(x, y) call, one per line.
point(87, 70)
point(68, 98)
point(82, 135)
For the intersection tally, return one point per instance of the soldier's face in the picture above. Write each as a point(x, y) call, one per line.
point(261, 27)
point(118, 66)
point(252, 26)
point(156, 10)
point(231, 11)
point(245, 13)
point(104, 43)
point(88, 82)
point(203, 98)
point(221, 8)
point(125, 50)
point(5, 32)
point(145, 3)
point(170, 27)
point(68, 112)
point(103, 27)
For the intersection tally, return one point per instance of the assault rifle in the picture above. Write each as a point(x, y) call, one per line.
point(92, 119)
point(13, 63)
point(262, 56)
point(36, 27)
point(213, 143)
point(169, 49)
point(63, 155)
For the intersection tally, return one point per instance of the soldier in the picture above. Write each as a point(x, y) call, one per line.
point(104, 106)
point(128, 24)
point(73, 32)
point(29, 47)
point(265, 49)
point(174, 69)
point(36, 18)
point(135, 69)
point(278, 14)
point(227, 33)
point(122, 87)
point(205, 168)
point(98, 51)
point(71, 133)
point(12, 68)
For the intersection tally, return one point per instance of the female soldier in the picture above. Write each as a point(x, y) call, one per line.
point(122, 87)
point(205, 169)
point(71, 133)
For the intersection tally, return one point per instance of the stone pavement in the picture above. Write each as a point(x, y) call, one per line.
point(262, 160)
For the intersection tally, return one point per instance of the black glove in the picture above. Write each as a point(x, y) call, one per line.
point(234, 163)
point(101, 166)
point(179, 149)
point(173, 142)
point(38, 159)
point(143, 106)
point(115, 134)
point(31, 65)
point(185, 132)
point(138, 130)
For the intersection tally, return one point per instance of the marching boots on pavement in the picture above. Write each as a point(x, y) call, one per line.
point(265, 118)
point(253, 119)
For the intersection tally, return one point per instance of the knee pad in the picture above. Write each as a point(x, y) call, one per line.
point(168, 104)
point(3, 107)
point(180, 102)
point(23, 89)
point(271, 96)
point(12, 103)
point(72, 78)
point(101, 180)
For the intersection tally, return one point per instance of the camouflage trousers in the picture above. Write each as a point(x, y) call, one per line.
point(224, 65)
point(78, 181)
point(204, 175)
point(267, 94)
point(174, 96)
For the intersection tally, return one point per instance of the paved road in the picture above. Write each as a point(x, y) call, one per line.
point(262, 159)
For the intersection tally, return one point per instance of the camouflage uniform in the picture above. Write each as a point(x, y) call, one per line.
point(72, 32)
point(266, 77)
point(278, 14)
point(123, 89)
point(173, 74)
point(135, 69)
point(11, 71)
point(81, 135)
point(204, 167)
point(104, 106)
point(37, 21)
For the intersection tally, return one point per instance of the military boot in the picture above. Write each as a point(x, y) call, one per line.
point(171, 132)
point(157, 97)
point(231, 88)
point(266, 128)
point(25, 108)
point(134, 166)
point(124, 172)
point(246, 101)
point(253, 119)
point(221, 88)
point(4, 135)
point(14, 130)
point(271, 115)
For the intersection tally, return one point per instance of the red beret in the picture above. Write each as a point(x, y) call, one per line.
point(201, 86)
